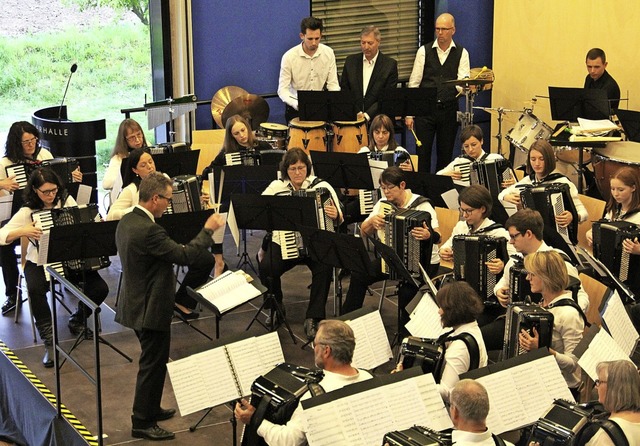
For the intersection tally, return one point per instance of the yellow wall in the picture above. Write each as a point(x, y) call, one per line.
point(544, 42)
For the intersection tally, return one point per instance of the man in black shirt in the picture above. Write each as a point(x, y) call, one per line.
point(600, 79)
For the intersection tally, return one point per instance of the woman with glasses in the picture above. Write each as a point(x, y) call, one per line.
point(22, 147)
point(130, 137)
point(295, 174)
point(44, 191)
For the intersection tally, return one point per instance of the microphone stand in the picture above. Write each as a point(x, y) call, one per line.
point(74, 67)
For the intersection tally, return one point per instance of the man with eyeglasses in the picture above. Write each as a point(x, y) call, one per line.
point(333, 349)
point(435, 63)
point(525, 234)
point(147, 255)
point(395, 191)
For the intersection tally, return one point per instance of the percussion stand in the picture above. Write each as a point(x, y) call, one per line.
point(469, 98)
point(501, 113)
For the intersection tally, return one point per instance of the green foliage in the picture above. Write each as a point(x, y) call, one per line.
point(114, 72)
point(139, 7)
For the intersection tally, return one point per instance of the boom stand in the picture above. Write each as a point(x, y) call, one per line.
point(84, 241)
point(271, 213)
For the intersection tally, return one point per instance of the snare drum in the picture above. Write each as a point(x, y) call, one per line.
point(349, 136)
point(527, 130)
point(571, 155)
point(272, 130)
point(308, 135)
point(607, 160)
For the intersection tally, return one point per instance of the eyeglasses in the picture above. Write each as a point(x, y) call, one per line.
point(387, 188)
point(135, 137)
point(27, 142)
point(441, 30)
point(166, 198)
point(48, 192)
point(597, 382)
point(514, 236)
point(467, 211)
point(297, 169)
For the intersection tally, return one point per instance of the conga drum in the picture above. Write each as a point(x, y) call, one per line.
point(307, 135)
point(349, 136)
point(607, 160)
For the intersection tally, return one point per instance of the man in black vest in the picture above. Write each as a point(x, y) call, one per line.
point(437, 62)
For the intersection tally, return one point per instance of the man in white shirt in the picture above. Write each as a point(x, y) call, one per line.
point(308, 66)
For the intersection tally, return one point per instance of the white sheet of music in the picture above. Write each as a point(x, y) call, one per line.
point(84, 194)
point(43, 248)
point(450, 198)
point(601, 348)
point(376, 170)
point(228, 291)
point(619, 323)
point(424, 321)
point(520, 395)
point(364, 418)
point(6, 203)
point(218, 234)
point(372, 343)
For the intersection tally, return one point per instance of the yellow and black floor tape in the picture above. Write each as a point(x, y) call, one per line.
point(66, 413)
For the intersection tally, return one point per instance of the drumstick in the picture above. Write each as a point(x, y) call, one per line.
point(418, 143)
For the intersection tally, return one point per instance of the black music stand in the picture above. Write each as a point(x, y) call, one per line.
point(343, 169)
point(630, 121)
point(327, 106)
point(242, 179)
point(569, 104)
point(269, 213)
point(172, 164)
point(408, 101)
point(431, 186)
point(83, 241)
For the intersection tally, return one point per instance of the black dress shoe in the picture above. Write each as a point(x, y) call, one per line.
point(153, 433)
point(9, 305)
point(165, 414)
point(185, 315)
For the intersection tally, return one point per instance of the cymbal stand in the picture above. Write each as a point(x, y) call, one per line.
point(469, 97)
point(501, 113)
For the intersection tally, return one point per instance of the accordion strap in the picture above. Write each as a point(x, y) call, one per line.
point(472, 347)
point(497, 440)
point(571, 303)
point(491, 227)
point(615, 432)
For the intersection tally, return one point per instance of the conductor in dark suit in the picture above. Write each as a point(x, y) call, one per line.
point(147, 255)
point(368, 73)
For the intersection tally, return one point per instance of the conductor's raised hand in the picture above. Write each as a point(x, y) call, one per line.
point(214, 222)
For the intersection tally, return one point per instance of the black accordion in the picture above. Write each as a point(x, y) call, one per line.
point(428, 354)
point(607, 247)
point(63, 167)
point(168, 147)
point(551, 200)
point(367, 199)
point(491, 174)
point(470, 254)
point(525, 317)
point(276, 394)
point(397, 235)
point(49, 218)
point(561, 424)
point(418, 436)
point(520, 288)
point(248, 157)
point(186, 195)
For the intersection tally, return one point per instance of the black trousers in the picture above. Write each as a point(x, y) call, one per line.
point(273, 267)
point(152, 370)
point(10, 273)
point(196, 276)
point(442, 127)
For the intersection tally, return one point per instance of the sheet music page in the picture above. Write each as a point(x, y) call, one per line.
point(228, 291)
point(247, 361)
point(203, 380)
point(376, 170)
point(6, 203)
point(424, 321)
point(233, 225)
point(43, 248)
point(372, 344)
point(437, 414)
point(270, 350)
point(84, 194)
point(619, 324)
point(218, 234)
point(602, 348)
point(520, 395)
point(450, 198)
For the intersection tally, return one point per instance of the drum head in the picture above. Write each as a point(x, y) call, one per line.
point(298, 124)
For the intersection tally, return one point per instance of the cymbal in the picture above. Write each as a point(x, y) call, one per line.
point(497, 109)
point(221, 99)
point(469, 82)
point(250, 106)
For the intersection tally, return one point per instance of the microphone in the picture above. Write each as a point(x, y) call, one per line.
point(72, 70)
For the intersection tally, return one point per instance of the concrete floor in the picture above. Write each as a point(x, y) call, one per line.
point(118, 375)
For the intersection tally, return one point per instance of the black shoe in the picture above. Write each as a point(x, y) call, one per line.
point(153, 433)
point(47, 359)
point(77, 328)
point(165, 414)
point(310, 328)
point(9, 305)
point(185, 315)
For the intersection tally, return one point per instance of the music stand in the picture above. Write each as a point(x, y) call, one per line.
point(269, 213)
point(431, 186)
point(83, 241)
point(569, 104)
point(172, 164)
point(327, 106)
point(630, 121)
point(408, 101)
point(343, 169)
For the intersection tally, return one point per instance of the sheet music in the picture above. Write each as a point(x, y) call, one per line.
point(601, 348)
point(84, 194)
point(372, 345)
point(228, 291)
point(218, 234)
point(364, 417)
point(450, 198)
point(376, 170)
point(43, 248)
point(233, 225)
point(619, 324)
point(270, 350)
point(521, 394)
point(247, 360)
point(424, 321)
point(6, 203)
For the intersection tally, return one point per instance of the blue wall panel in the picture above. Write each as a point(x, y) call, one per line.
point(241, 43)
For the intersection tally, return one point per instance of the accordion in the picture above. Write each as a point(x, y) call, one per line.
point(470, 254)
point(551, 200)
point(607, 247)
point(520, 288)
point(418, 436)
point(561, 424)
point(525, 317)
point(168, 147)
point(367, 199)
point(242, 158)
point(63, 167)
point(186, 195)
point(276, 394)
point(491, 174)
point(49, 218)
point(397, 235)
point(428, 354)
point(291, 241)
